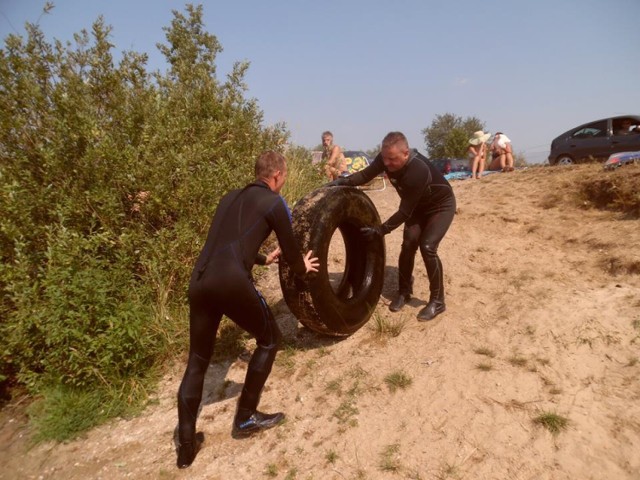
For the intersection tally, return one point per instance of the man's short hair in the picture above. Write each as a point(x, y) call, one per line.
point(393, 138)
point(269, 163)
point(327, 133)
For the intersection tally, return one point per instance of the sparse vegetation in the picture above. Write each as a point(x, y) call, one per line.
point(487, 352)
point(387, 326)
point(331, 456)
point(285, 357)
point(291, 474)
point(271, 470)
point(551, 421)
point(322, 352)
point(397, 380)
point(334, 386)
point(448, 471)
point(347, 412)
point(484, 367)
point(517, 361)
point(617, 190)
point(390, 458)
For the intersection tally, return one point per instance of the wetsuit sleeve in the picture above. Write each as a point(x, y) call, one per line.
point(414, 184)
point(364, 176)
point(280, 221)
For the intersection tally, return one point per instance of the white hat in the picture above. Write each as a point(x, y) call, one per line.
point(479, 137)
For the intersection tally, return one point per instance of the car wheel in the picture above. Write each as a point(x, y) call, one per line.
point(340, 309)
point(565, 160)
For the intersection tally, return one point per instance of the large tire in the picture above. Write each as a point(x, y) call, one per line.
point(312, 299)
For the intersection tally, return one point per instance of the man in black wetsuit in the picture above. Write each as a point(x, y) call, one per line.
point(221, 284)
point(427, 207)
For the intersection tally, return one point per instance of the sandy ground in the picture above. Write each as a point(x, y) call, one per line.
point(543, 317)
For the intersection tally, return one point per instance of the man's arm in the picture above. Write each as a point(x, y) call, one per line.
point(280, 220)
point(363, 176)
point(415, 184)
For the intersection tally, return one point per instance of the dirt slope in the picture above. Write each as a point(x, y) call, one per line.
point(543, 316)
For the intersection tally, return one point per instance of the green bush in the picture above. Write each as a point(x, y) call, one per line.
point(83, 324)
point(302, 177)
point(109, 176)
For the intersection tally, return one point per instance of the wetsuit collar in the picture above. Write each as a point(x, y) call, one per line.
point(260, 183)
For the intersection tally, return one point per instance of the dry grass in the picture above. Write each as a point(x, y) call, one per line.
point(487, 352)
point(389, 458)
point(484, 367)
point(617, 190)
point(387, 327)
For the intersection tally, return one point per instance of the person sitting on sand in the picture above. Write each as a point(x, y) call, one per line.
point(335, 163)
point(478, 152)
point(502, 153)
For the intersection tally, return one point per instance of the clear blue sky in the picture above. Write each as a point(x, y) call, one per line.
point(361, 68)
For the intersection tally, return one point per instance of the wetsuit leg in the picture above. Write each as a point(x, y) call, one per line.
point(434, 226)
point(203, 326)
point(254, 316)
point(410, 243)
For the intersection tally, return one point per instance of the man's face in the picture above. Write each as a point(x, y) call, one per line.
point(395, 156)
point(326, 140)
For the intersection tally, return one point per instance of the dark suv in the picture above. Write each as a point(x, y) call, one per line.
point(596, 140)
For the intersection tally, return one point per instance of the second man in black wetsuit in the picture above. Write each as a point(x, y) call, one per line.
point(221, 284)
point(427, 208)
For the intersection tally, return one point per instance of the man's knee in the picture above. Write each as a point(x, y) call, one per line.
point(410, 242)
point(197, 363)
point(429, 249)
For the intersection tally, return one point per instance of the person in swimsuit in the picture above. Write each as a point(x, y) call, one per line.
point(221, 284)
point(332, 156)
point(501, 153)
point(478, 152)
point(427, 207)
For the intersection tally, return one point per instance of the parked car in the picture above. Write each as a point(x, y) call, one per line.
point(596, 140)
point(621, 159)
point(451, 165)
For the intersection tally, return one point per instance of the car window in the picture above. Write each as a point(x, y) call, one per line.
point(625, 126)
point(597, 129)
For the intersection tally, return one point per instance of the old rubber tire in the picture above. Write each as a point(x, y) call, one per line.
point(312, 299)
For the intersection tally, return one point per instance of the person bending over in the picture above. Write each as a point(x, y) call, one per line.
point(427, 207)
point(221, 284)
point(502, 153)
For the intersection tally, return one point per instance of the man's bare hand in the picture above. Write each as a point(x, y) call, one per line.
point(273, 256)
point(312, 263)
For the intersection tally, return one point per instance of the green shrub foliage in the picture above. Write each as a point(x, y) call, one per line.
point(448, 135)
point(109, 175)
